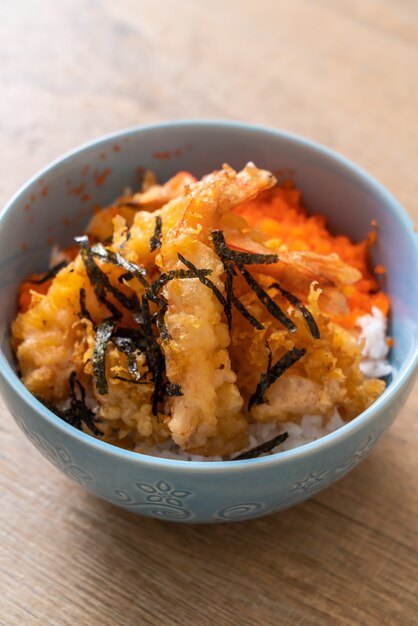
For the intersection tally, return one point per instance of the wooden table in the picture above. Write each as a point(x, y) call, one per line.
point(344, 74)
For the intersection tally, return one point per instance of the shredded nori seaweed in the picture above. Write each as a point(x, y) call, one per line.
point(245, 312)
point(164, 389)
point(309, 318)
point(99, 281)
point(201, 275)
point(270, 355)
point(103, 335)
point(229, 291)
point(263, 448)
point(273, 373)
point(127, 346)
point(161, 325)
point(137, 334)
point(132, 270)
point(231, 297)
point(127, 238)
point(143, 338)
point(155, 357)
point(239, 258)
point(265, 299)
point(165, 278)
point(79, 409)
point(228, 258)
point(127, 276)
point(155, 241)
point(78, 412)
point(172, 389)
point(84, 312)
point(129, 341)
point(133, 381)
point(50, 273)
point(232, 257)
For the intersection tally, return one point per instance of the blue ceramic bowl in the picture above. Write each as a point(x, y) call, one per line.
point(56, 204)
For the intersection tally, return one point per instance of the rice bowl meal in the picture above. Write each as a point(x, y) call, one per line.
point(206, 320)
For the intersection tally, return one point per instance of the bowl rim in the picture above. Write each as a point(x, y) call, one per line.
point(404, 376)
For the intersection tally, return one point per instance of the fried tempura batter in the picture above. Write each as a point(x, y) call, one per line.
point(173, 366)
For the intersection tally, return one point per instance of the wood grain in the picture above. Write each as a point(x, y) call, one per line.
point(341, 73)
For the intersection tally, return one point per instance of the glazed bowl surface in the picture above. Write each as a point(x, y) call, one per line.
point(55, 205)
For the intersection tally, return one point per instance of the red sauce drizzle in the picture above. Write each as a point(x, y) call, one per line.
point(100, 178)
point(163, 156)
point(76, 191)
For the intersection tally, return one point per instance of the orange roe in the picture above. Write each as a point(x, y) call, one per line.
point(26, 289)
point(280, 215)
point(24, 298)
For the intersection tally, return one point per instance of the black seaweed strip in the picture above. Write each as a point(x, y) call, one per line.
point(230, 294)
point(84, 312)
point(227, 256)
point(155, 358)
point(132, 333)
point(201, 275)
point(162, 280)
point(155, 241)
point(168, 389)
point(265, 299)
point(127, 276)
point(267, 446)
point(162, 328)
point(240, 258)
point(108, 256)
point(50, 274)
point(128, 347)
point(103, 335)
point(172, 389)
point(136, 334)
point(272, 374)
point(138, 317)
point(98, 279)
point(232, 299)
point(73, 415)
point(245, 312)
point(309, 318)
point(129, 302)
point(229, 287)
point(51, 407)
point(86, 414)
point(73, 380)
point(78, 412)
point(133, 381)
point(127, 238)
point(270, 356)
point(124, 344)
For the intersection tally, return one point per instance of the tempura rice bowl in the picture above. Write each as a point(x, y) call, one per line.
point(191, 490)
